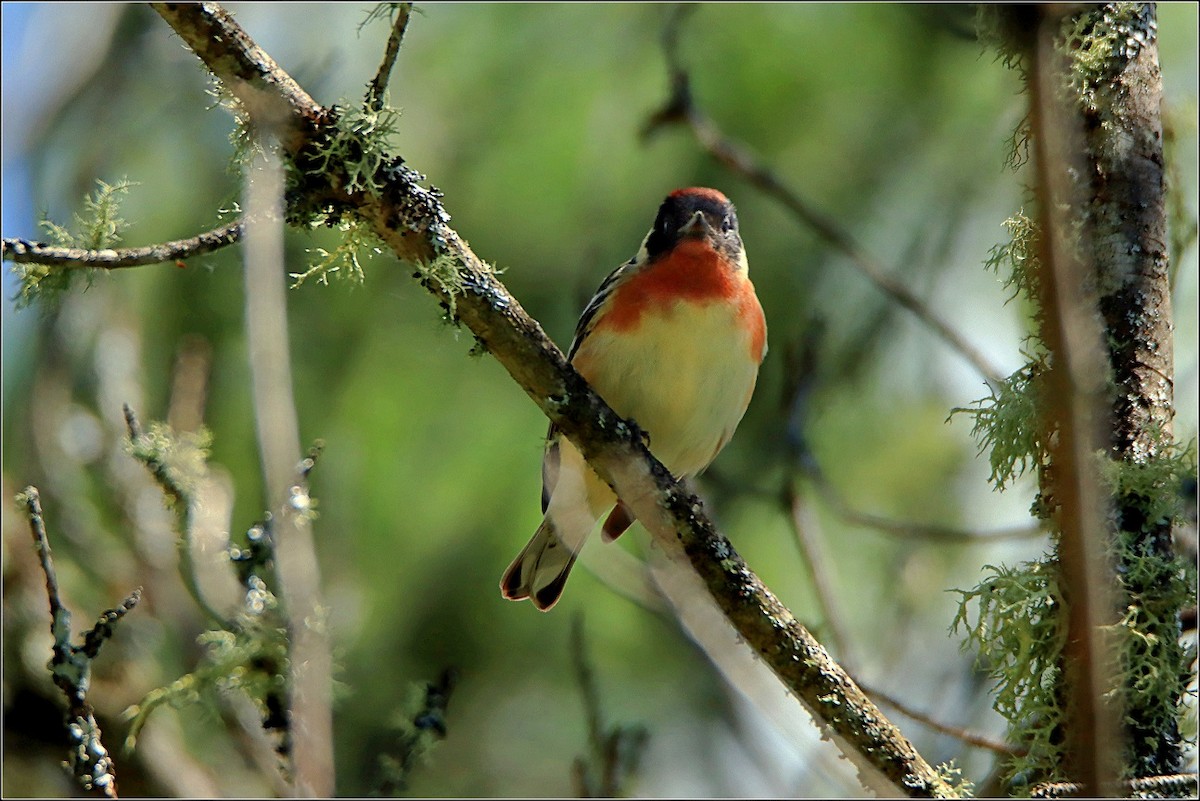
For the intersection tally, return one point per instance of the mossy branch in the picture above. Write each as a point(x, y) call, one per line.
point(410, 219)
point(177, 462)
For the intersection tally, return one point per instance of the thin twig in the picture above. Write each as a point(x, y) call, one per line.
point(808, 540)
point(422, 728)
point(60, 617)
point(377, 88)
point(913, 529)
point(71, 665)
point(682, 108)
point(23, 251)
point(968, 737)
point(885, 525)
point(614, 753)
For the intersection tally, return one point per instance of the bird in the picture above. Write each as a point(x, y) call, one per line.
point(672, 341)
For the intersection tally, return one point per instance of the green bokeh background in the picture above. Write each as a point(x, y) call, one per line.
point(890, 119)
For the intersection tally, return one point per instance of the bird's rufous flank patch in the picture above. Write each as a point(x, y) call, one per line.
point(751, 315)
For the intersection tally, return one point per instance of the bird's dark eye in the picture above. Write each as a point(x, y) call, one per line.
point(727, 224)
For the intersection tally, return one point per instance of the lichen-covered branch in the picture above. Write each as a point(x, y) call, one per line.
point(1075, 411)
point(1104, 611)
point(22, 251)
point(175, 463)
point(421, 729)
point(1108, 93)
point(410, 220)
point(71, 665)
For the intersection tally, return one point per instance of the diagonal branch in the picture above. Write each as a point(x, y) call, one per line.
point(22, 251)
point(412, 222)
point(681, 108)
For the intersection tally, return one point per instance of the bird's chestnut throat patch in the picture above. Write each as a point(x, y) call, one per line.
point(692, 272)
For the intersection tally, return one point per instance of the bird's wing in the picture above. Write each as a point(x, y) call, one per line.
point(588, 318)
point(582, 329)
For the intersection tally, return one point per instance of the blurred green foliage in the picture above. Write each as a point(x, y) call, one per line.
point(891, 119)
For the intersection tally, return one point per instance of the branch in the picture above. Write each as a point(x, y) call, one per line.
point(410, 220)
point(71, 665)
point(22, 251)
point(1076, 414)
point(422, 728)
point(681, 108)
point(912, 529)
point(307, 722)
point(614, 752)
point(1178, 785)
point(1097, 95)
point(970, 738)
point(805, 530)
point(377, 88)
point(157, 451)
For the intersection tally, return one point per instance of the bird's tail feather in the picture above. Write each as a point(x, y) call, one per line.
point(540, 570)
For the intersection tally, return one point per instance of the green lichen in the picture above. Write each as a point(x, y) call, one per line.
point(251, 660)
point(246, 652)
point(96, 227)
point(417, 728)
point(345, 261)
point(1097, 43)
point(444, 276)
point(178, 460)
point(1008, 31)
point(355, 147)
point(1007, 426)
point(1154, 667)
point(952, 775)
point(1016, 261)
point(1019, 633)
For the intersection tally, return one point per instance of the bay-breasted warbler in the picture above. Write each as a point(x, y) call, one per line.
point(672, 340)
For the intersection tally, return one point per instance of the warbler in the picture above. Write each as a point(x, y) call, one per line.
point(672, 340)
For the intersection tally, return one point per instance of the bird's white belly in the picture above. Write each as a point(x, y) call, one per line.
point(685, 376)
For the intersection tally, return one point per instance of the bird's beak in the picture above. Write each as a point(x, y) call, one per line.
point(696, 226)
